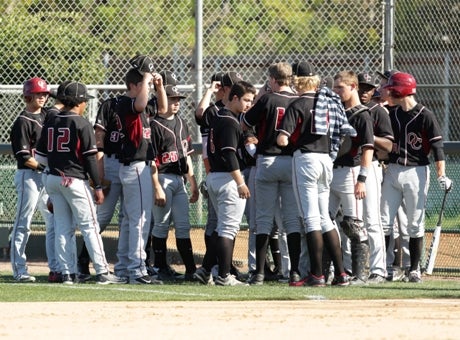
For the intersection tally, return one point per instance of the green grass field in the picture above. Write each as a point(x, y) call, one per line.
point(41, 291)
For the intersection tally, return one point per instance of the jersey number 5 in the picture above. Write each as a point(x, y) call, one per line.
point(62, 139)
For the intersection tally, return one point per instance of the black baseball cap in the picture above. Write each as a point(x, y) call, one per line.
point(173, 92)
point(75, 90)
point(366, 79)
point(169, 77)
point(387, 74)
point(230, 78)
point(217, 76)
point(56, 93)
point(303, 69)
point(327, 82)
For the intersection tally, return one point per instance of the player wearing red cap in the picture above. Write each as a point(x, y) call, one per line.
point(416, 134)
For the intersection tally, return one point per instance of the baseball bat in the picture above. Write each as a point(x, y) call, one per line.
point(435, 240)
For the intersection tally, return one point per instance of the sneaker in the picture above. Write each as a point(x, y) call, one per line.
point(68, 279)
point(108, 278)
point(203, 276)
point(229, 280)
point(414, 277)
point(25, 278)
point(355, 281)
point(54, 277)
point(295, 280)
point(256, 280)
point(375, 279)
point(167, 274)
point(315, 281)
point(341, 280)
point(82, 278)
point(398, 275)
point(273, 276)
point(142, 280)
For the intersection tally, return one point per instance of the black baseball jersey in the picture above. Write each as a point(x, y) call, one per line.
point(51, 111)
point(135, 136)
point(416, 133)
point(172, 144)
point(266, 115)
point(208, 115)
point(297, 124)
point(363, 124)
point(382, 123)
point(24, 135)
point(107, 119)
point(69, 143)
point(225, 141)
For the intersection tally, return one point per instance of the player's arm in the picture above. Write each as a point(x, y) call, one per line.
point(158, 192)
point(366, 161)
point(282, 139)
point(162, 99)
point(192, 180)
point(100, 136)
point(206, 100)
point(234, 168)
point(142, 97)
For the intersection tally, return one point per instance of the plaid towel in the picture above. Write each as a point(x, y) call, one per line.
point(329, 115)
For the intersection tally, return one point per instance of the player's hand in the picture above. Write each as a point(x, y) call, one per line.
point(194, 194)
point(157, 80)
point(360, 190)
point(159, 197)
point(98, 196)
point(445, 183)
point(215, 86)
point(243, 192)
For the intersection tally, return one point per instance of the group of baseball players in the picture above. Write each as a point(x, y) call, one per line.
point(332, 175)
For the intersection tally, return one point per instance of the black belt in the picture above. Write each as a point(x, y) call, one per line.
point(112, 154)
point(129, 163)
point(335, 166)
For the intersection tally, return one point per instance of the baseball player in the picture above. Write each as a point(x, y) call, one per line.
point(397, 242)
point(24, 136)
point(157, 104)
point(383, 141)
point(352, 172)
point(312, 175)
point(67, 143)
point(135, 155)
point(221, 84)
point(416, 134)
point(172, 168)
point(226, 186)
point(55, 275)
point(273, 178)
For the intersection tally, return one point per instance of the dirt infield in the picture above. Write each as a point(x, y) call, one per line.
point(382, 319)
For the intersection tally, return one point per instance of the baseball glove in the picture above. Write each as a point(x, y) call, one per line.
point(142, 63)
point(204, 189)
point(49, 205)
point(105, 183)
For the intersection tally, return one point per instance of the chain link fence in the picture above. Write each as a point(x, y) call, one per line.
point(92, 40)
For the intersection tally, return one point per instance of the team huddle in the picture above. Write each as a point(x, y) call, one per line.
point(332, 175)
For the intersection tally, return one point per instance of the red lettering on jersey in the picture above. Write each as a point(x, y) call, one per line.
point(63, 140)
point(169, 157)
point(212, 147)
point(279, 116)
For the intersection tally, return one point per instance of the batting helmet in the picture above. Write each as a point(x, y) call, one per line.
point(401, 85)
point(35, 85)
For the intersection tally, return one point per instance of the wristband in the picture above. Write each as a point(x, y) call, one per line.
point(98, 187)
point(100, 149)
point(362, 178)
point(241, 185)
point(40, 167)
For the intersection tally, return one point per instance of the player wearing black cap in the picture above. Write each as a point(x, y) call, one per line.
point(172, 143)
point(67, 143)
